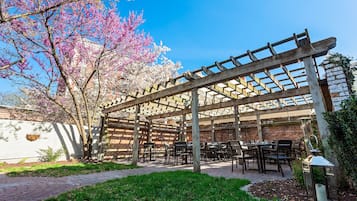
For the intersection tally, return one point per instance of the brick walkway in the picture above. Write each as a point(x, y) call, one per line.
point(39, 188)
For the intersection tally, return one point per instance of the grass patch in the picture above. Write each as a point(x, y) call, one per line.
point(178, 185)
point(60, 170)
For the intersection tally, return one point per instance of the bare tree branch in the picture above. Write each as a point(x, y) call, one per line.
point(3, 19)
point(4, 67)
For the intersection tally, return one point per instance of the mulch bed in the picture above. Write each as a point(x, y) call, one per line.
point(290, 190)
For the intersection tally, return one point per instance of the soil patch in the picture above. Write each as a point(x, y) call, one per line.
point(290, 190)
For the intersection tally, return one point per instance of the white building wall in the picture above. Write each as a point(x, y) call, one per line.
point(15, 147)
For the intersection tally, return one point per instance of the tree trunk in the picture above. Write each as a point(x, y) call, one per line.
point(86, 142)
point(87, 150)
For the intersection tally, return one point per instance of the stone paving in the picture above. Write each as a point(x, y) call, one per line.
point(39, 188)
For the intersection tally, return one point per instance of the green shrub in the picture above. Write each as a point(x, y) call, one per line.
point(49, 155)
point(343, 138)
point(297, 172)
point(22, 161)
point(318, 174)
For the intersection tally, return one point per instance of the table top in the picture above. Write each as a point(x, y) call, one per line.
point(259, 144)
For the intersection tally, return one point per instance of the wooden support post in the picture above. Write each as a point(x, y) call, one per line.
point(183, 136)
point(136, 136)
point(259, 127)
point(149, 137)
point(237, 122)
point(320, 108)
point(213, 136)
point(102, 137)
point(184, 128)
point(195, 132)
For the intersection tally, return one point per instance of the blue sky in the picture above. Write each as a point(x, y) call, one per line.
point(200, 32)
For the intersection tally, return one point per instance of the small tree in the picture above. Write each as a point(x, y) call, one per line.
point(73, 55)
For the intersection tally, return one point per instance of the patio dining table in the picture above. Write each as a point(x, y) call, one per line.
point(259, 146)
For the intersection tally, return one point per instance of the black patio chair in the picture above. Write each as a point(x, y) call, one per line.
point(211, 150)
point(222, 151)
point(241, 155)
point(280, 153)
point(180, 152)
point(149, 151)
point(169, 152)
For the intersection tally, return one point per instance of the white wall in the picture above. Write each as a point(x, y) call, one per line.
point(14, 146)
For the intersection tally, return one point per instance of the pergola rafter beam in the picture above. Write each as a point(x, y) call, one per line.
point(272, 77)
point(310, 50)
point(290, 76)
point(259, 81)
point(243, 101)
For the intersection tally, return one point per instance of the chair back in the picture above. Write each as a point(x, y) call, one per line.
point(167, 149)
point(284, 146)
point(180, 147)
point(222, 146)
point(203, 145)
point(234, 148)
point(148, 147)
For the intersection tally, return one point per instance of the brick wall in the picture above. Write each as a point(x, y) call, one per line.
point(354, 65)
point(290, 131)
point(337, 83)
point(282, 130)
point(13, 113)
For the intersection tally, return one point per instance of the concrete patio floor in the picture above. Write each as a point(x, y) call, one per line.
point(39, 188)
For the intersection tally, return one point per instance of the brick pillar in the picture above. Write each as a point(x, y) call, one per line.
point(337, 83)
point(354, 66)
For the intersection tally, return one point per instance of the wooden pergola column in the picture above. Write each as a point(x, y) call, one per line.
point(213, 135)
point(195, 132)
point(259, 127)
point(320, 108)
point(149, 137)
point(183, 133)
point(136, 136)
point(102, 137)
point(319, 103)
point(237, 122)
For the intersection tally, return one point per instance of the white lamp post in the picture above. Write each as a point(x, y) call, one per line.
point(315, 161)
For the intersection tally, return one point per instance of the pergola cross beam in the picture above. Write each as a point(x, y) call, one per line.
point(310, 50)
point(243, 101)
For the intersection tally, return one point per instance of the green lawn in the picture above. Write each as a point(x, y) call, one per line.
point(178, 185)
point(59, 170)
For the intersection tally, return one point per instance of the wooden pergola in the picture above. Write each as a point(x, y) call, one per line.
point(281, 76)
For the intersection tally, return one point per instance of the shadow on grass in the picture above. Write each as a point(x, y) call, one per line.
point(60, 170)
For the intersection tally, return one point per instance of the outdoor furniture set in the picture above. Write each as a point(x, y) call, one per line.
point(277, 152)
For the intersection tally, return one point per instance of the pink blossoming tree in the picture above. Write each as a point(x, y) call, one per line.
point(71, 56)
